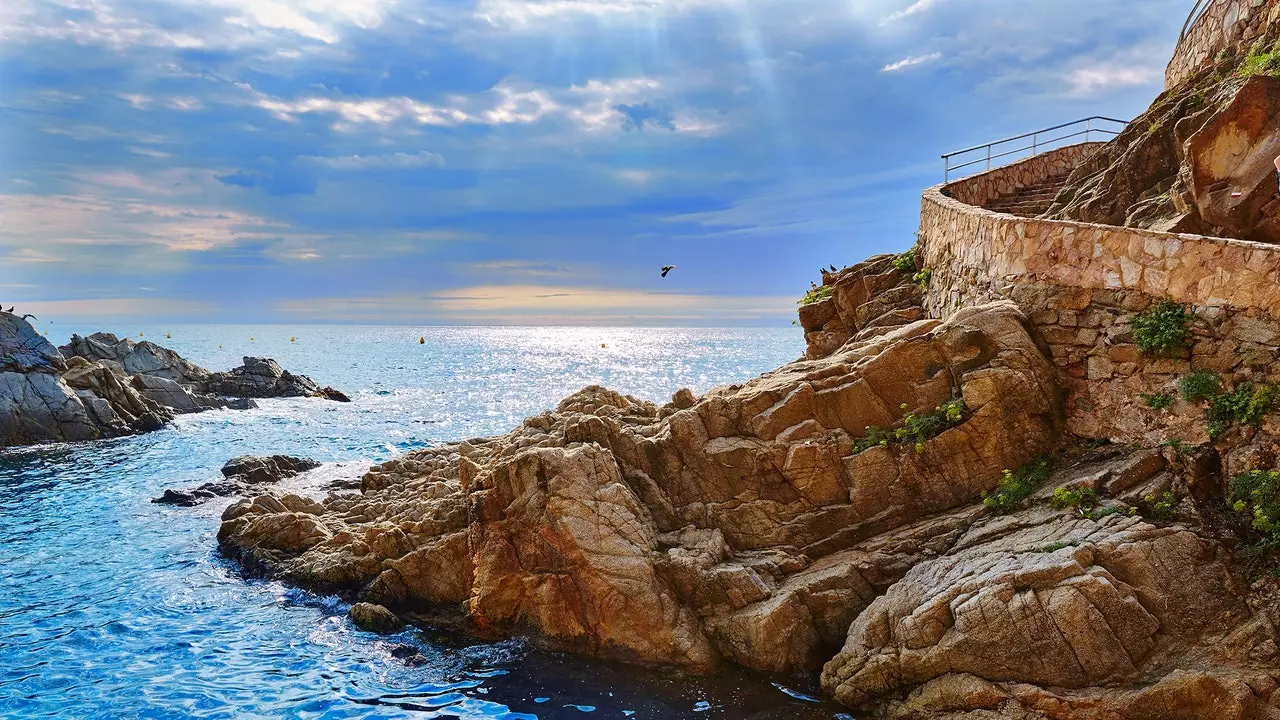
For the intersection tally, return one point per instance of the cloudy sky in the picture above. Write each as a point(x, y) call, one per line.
point(510, 161)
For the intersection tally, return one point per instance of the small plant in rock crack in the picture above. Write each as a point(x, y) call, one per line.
point(1200, 385)
point(817, 294)
point(923, 277)
point(906, 262)
point(1157, 401)
point(1056, 546)
point(916, 429)
point(1082, 500)
point(1162, 329)
point(1256, 496)
point(1163, 507)
point(1018, 485)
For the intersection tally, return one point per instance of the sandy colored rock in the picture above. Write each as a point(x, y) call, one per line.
point(375, 618)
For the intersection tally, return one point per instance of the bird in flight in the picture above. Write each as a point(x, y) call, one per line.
point(29, 315)
point(666, 269)
point(10, 309)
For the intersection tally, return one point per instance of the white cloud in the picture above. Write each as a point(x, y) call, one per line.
point(1100, 78)
point(393, 161)
point(525, 12)
point(910, 61)
point(915, 8)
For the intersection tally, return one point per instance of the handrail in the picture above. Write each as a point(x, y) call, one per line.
point(1196, 12)
point(1036, 143)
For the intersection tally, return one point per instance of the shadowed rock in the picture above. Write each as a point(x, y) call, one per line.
point(247, 473)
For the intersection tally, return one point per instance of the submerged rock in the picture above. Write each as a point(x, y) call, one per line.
point(244, 474)
point(375, 618)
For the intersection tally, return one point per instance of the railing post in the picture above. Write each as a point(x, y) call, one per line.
point(946, 169)
point(988, 157)
point(1088, 128)
point(1035, 143)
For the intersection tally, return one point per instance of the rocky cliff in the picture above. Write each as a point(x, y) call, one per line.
point(102, 386)
point(1199, 160)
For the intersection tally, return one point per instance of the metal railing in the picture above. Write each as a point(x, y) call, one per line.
point(995, 152)
point(1193, 16)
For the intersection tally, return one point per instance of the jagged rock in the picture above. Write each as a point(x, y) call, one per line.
point(866, 300)
point(22, 349)
point(135, 409)
point(264, 378)
point(166, 392)
point(135, 358)
point(375, 618)
point(334, 394)
point(744, 526)
point(244, 474)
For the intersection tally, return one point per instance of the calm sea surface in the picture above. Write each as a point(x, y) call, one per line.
point(112, 607)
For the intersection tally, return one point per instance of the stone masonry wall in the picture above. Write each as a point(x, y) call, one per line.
point(981, 189)
point(1081, 284)
point(1226, 24)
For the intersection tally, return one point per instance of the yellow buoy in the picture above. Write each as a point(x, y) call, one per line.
point(422, 340)
point(139, 334)
point(603, 345)
point(219, 346)
point(293, 339)
point(250, 339)
point(169, 335)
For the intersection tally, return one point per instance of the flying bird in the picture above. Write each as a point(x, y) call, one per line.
point(666, 269)
point(11, 309)
point(29, 315)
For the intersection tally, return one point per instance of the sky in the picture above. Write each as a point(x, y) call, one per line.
point(433, 162)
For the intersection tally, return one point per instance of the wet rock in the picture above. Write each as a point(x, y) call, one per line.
point(243, 475)
point(375, 618)
point(264, 378)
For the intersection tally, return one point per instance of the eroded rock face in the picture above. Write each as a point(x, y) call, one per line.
point(1044, 599)
point(135, 358)
point(866, 300)
point(740, 526)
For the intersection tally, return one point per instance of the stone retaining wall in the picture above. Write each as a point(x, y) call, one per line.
point(1081, 283)
point(981, 189)
point(1226, 24)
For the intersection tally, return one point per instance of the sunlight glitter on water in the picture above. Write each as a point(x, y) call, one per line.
point(113, 607)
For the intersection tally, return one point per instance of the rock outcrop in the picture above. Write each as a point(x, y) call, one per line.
point(241, 475)
point(101, 386)
point(264, 378)
point(735, 526)
point(1198, 161)
point(860, 302)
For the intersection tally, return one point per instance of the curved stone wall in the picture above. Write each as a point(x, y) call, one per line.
point(1081, 283)
point(1225, 24)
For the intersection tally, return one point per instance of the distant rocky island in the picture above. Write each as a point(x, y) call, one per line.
point(102, 386)
point(1029, 469)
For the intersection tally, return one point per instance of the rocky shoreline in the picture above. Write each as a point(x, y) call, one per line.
point(101, 386)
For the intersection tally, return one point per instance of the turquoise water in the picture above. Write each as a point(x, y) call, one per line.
point(113, 607)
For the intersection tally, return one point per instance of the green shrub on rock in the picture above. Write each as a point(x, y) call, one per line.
point(1162, 329)
point(1083, 500)
point(906, 262)
point(916, 429)
point(1158, 401)
point(1200, 385)
point(817, 294)
point(1256, 495)
point(1247, 405)
point(1018, 485)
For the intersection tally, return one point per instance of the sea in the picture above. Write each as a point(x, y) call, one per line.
point(114, 607)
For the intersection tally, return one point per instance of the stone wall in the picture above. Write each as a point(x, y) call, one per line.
point(1081, 283)
point(987, 186)
point(1225, 25)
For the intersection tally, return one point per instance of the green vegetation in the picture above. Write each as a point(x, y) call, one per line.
point(1261, 63)
point(1055, 546)
point(916, 429)
point(1016, 486)
point(816, 295)
point(1158, 401)
point(1256, 495)
point(906, 262)
point(1245, 406)
point(1083, 500)
point(1162, 329)
point(1200, 385)
point(1180, 448)
point(1163, 508)
point(922, 278)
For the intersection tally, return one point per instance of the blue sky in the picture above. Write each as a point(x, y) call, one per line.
point(509, 161)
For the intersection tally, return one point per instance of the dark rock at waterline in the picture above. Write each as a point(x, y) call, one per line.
point(375, 618)
point(335, 395)
point(244, 475)
point(264, 378)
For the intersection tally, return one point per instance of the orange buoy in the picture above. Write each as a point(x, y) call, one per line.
point(422, 340)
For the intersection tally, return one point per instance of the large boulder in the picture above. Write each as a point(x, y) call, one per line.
point(241, 475)
point(861, 302)
point(22, 349)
